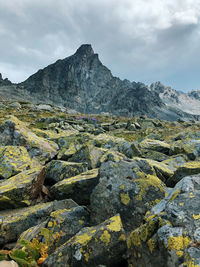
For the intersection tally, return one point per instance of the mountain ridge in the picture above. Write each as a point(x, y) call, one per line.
point(83, 83)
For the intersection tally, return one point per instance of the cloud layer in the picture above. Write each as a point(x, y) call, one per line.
point(139, 40)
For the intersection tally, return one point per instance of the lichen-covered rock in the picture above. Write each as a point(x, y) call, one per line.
point(114, 156)
point(14, 132)
point(115, 143)
point(57, 170)
point(90, 154)
point(78, 188)
point(123, 190)
point(14, 222)
point(188, 168)
point(104, 244)
point(19, 190)
point(154, 155)
point(71, 144)
point(170, 235)
point(148, 166)
point(154, 145)
point(191, 148)
point(176, 161)
point(66, 223)
point(13, 160)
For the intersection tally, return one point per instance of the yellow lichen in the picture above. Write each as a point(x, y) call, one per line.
point(105, 237)
point(82, 239)
point(115, 224)
point(196, 217)
point(178, 242)
point(122, 186)
point(125, 199)
point(179, 253)
point(151, 244)
point(122, 237)
point(134, 239)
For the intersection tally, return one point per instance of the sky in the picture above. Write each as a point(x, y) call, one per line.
point(139, 40)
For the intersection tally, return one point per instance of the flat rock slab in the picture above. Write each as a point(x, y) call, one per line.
point(78, 187)
point(19, 190)
point(13, 160)
point(14, 222)
point(58, 170)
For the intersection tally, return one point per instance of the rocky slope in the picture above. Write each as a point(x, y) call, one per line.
point(83, 83)
point(94, 190)
point(188, 102)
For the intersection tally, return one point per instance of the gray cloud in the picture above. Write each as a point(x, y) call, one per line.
point(139, 40)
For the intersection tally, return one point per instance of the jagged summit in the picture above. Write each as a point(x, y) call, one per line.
point(85, 50)
point(4, 81)
point(83, 83)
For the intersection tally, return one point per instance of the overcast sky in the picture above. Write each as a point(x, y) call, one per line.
point(141, 40)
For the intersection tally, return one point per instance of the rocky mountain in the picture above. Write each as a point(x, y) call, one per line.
point(83, 83)
point(188, 102)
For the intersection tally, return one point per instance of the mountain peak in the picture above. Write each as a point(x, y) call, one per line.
point(85, 49)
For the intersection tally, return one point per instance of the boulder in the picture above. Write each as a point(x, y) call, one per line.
point(89, 154)
point(115, 143)
point(170, 235)
point(78, 188)
point(155, 145)
point(21, 189)
point(190, 147)
point(101, 245)
point(13, 160)
point(188, 168)
point(14, 222)
point(57, 170)
point(123, 190)
point(14, 132)
point(71, 144)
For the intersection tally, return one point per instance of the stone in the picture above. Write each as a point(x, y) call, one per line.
point(124, 191)
point(21, 189)
point(78, 188)
point(170, 233)
point(14, 132)
point(191, 148)
point(15, 222)
point(57, 170)
point(88, 154)
point(13, 160)
point(104, 244)
point(115, 143)
point(155, 145)
point(188, 168)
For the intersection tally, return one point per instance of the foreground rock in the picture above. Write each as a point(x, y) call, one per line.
point(21, 189)
point(171, 234)
point(13, 160)
point(15, 132)
point(104, 244)
point(14, 222)
point(123, 190)
point(79, 188)
point(58, 170)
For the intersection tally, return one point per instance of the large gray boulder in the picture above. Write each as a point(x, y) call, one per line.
point(101, 245)
point(170, 235)
point(121, 189)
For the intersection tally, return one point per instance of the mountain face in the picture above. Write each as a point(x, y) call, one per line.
point(83, 83)
point(4, 81)
point(187, 102)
